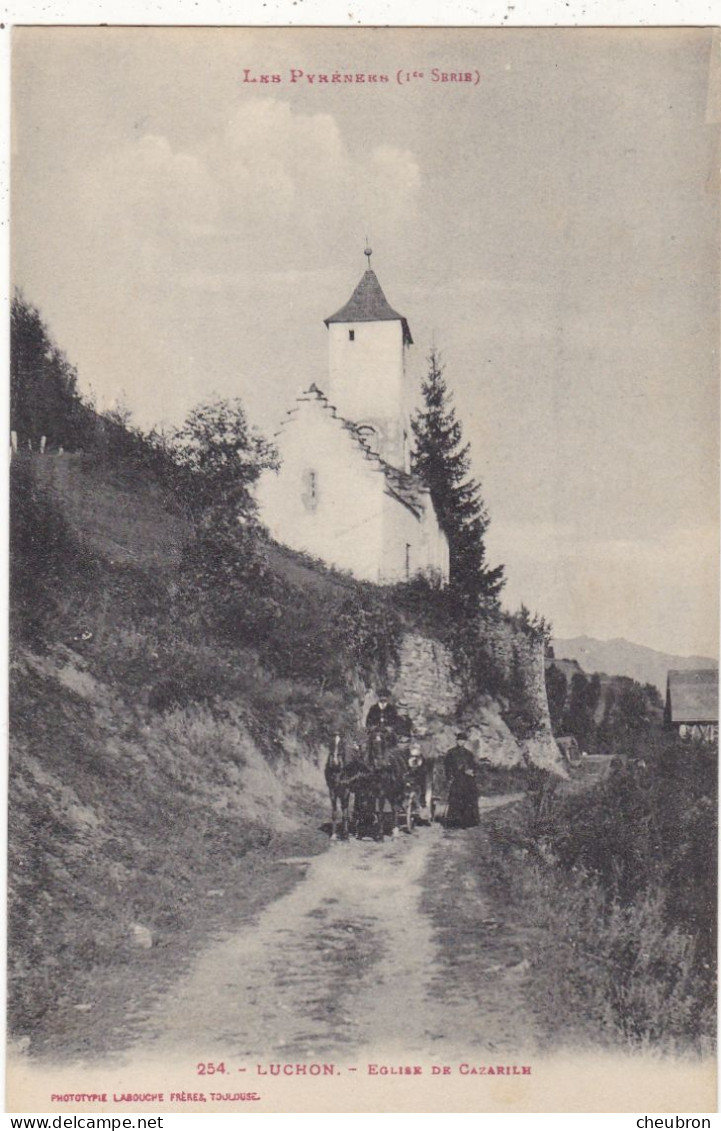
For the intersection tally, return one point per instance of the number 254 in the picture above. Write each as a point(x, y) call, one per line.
point(209, 1069)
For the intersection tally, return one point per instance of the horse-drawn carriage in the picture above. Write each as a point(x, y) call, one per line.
point(386, 774)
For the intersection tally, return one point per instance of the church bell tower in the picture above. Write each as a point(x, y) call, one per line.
point(367, 343)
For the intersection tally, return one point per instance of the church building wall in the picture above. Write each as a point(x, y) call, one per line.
point(327, 497)
point(403, 550)
point(412, 545)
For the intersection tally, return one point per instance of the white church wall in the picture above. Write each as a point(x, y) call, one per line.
point(412, 545)
point(337, 516)
point(402, 541)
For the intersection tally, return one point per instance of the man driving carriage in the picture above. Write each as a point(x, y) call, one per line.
point(384, 713)
point(385, 725)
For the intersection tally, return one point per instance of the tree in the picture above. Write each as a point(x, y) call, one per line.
point(556, 691)
point(605, 731)
point(224, 569)
point(535, 627)
point(653, 695)
point(633, 713)
point(442, 460)
point(44, 400)
point(222, 458)
point(578, 718)
point(523, 715)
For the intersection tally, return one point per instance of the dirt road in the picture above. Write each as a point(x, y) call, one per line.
point(353, 958)
point(378, 958)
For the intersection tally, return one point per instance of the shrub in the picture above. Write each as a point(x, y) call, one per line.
point(603, 969)
point(632, 875)
point(619, 966)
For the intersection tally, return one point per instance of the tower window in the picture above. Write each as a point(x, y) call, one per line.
point(351, 335)
point(408, 560)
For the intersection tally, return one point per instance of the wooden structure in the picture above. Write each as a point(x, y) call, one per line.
point(692, 703)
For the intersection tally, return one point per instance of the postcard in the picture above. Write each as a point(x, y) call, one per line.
point(364, 570)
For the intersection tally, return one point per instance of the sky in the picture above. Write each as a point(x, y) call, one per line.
point(551, 226)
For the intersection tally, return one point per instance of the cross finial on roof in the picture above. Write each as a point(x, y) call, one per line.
point(368, 251)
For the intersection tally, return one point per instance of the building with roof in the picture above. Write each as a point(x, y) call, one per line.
point(692, 703)
point(345, 491)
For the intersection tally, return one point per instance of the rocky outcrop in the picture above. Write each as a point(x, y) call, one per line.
point(425, 688)
point(541, 746)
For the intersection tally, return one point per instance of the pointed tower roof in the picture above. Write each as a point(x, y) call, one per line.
point(369, 304)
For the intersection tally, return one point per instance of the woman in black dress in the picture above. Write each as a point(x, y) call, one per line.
point(462, 792)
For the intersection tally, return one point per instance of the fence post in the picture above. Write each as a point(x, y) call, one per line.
point(43, 442)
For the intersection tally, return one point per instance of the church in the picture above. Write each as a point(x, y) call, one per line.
point(345, 491)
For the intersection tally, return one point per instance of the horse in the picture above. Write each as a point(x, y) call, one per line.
point(402, 775)
point(390, 773)
point(346, 778)
point(336, 779)
point(380, 741)
point(365, 782)
point(398, 787)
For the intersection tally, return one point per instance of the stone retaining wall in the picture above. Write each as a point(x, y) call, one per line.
point(424, 688)
point(424, 685)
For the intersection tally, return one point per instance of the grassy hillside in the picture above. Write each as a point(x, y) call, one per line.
point(121, 511)
point(122, 820)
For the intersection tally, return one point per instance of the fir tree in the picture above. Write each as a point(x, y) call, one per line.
point(443, 462)
point(557, 693)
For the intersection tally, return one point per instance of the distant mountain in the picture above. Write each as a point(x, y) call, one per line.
point(622, 657)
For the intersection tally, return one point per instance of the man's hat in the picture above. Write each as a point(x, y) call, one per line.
point(462, 736)
point(383, 693)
